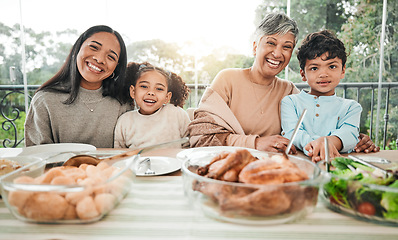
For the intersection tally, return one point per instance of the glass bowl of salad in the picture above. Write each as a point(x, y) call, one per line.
point(361, 191)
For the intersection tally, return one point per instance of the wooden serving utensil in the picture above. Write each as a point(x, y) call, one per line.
point(91, 160)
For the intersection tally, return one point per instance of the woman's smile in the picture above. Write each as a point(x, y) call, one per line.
point(97, 59)
point(273, 63)
point(94, 68)
point(272, 54)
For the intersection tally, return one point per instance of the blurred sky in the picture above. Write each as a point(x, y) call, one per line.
point(207, 23)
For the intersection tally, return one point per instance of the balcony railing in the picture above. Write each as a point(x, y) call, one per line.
point(12, 106)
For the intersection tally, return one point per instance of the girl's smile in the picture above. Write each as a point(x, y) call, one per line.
point(150, 92)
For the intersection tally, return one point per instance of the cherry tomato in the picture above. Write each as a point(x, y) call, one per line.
point(366, 208)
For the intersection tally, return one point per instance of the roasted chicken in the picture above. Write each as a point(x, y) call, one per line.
point(227, 166)
point(267, 197)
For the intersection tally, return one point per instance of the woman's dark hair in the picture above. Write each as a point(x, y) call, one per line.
point(175, 83)
point(316, 44)
point(67, 79)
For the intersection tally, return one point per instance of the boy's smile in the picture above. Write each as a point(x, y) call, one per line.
point(323, 75)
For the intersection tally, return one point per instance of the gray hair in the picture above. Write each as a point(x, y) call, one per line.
point(276, 23)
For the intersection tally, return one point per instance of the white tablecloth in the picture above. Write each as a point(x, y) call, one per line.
point(156, 208)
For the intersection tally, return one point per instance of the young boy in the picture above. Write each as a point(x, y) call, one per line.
point(322, 59)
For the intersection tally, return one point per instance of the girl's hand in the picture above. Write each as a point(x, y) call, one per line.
point(274, 143)
point(316, 148)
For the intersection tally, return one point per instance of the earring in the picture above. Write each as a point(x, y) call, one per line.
point(113, 75)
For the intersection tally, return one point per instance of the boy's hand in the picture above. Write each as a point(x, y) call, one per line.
point(316, 148)
point(365, 144)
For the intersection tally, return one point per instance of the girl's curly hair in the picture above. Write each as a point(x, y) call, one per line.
point(175, 83)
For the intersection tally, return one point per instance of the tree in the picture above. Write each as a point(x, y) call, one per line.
point(45, 53)
point(159, 53)
point(213, 64)
point(169, 56)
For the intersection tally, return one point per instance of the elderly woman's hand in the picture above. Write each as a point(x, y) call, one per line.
point(316, 148)
point(274, 143)
point(366, 144)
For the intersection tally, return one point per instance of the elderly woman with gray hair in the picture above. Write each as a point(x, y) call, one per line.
point(242, 106)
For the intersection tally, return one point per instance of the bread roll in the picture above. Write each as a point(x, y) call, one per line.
point(86, 208)
point(45, 206)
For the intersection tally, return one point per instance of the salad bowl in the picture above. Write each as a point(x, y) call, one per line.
point(360, 191)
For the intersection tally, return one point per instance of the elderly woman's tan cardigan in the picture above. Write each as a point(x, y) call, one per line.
point(213, 122)
point(235, 111)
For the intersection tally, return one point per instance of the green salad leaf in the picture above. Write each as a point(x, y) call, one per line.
point(350, 190)
point(337, 189)
point(341, 163)
point(389, 201)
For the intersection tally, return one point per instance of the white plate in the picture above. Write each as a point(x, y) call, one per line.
point(57, 152)
point(34, 171)
point(10, 152)
point(57, 147)
point(161, 165)
point(203, 151)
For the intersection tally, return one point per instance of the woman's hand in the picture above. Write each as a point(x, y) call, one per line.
point(316, 148)
point(274, 143)
point(365, 144)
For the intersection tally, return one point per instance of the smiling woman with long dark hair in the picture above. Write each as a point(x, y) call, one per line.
point(84, 99)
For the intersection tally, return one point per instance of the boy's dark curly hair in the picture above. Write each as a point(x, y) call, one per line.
point(318, 43)
point(175, 83)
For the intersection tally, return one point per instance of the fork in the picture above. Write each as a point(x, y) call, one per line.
point(147, 162)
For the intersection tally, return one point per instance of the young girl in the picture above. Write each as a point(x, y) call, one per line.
point(156, 120)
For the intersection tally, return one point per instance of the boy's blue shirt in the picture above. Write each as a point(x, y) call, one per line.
point(326, 116)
